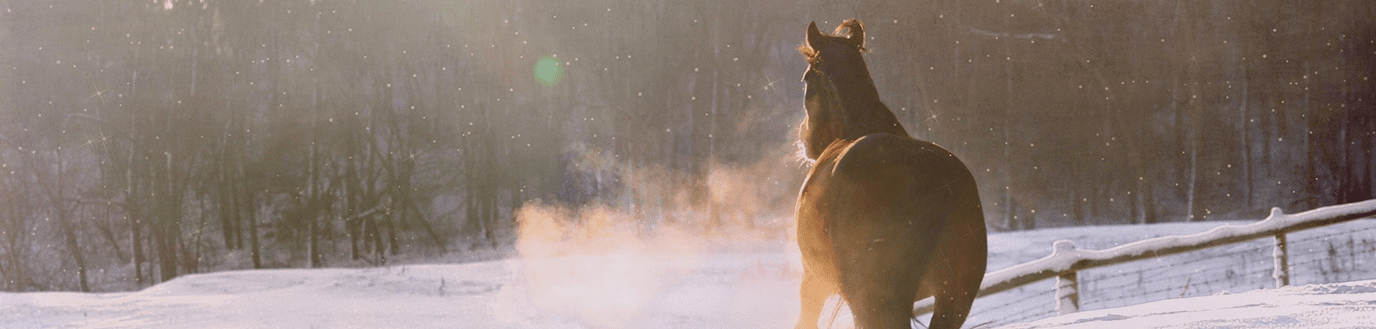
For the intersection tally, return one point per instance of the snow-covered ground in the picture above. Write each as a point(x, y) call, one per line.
point(719, 291)
point(670, 288)
point(1338, 305)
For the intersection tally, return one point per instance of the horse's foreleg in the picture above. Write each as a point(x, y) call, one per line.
point(814, 293)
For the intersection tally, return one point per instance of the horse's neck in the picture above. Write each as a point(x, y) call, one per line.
point(865, 112)
point(871, 117)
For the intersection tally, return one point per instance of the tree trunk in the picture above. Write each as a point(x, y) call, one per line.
point(245, 201)
point(228, 212)
point(312, 245)
point(1316, 150)
point(1245, 139)
point(134, 205)
point(1191, 62)
point(1010, 214)
point(169, 231)
point(65, 223)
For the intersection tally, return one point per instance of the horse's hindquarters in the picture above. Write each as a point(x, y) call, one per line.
point(891, 218)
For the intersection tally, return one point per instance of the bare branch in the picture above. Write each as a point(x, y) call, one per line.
point(1020, 36)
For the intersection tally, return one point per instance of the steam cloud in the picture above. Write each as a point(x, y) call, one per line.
point(609, 265)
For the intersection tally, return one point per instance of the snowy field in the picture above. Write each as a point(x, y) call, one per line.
point(755, 289)
point(1339, 305)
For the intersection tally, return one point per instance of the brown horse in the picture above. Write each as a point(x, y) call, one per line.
point(883, 218)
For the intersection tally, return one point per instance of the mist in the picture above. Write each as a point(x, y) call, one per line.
point(146, 140)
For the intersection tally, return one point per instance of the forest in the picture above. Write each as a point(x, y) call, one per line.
point(141, 140)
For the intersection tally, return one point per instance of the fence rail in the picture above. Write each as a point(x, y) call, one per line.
point(1065, 261)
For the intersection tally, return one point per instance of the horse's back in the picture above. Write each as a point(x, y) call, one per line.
point(901, 159)
point(899, 177)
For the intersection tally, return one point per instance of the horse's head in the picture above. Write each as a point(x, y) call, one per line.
point(840, 96)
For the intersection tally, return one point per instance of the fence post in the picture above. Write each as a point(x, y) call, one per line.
point(1282, 260)
point(1067, 288)
point(1067, 294)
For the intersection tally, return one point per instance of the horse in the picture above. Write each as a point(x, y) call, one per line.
point(884, 219)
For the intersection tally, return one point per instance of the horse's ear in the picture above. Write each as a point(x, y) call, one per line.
point(814, 37)
point(857, 32)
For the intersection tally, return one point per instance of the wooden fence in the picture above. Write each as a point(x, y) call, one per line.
point(1065, 260)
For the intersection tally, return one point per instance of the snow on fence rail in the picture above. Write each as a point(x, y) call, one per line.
point(1065, 260)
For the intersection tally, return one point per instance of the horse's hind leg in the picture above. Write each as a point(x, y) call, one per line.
point(957, 273)
point(880, 301)
point(814, 294)
point(879, 276)
point(952, 307)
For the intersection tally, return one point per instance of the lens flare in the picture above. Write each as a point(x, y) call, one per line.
point(548, 72)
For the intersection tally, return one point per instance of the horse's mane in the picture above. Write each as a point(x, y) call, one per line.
point(845, 30)
point(849, 27)
point(809, 54)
